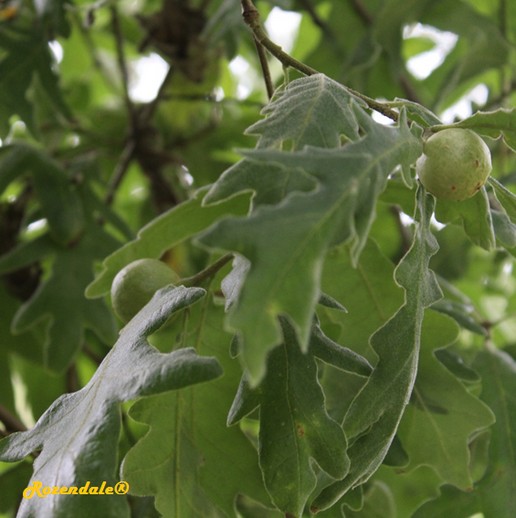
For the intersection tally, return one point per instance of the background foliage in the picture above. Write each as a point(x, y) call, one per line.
point(340, 343)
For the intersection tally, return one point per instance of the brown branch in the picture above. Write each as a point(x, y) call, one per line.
point(122, 63)
point(252, 19)
point(362, 12)
point(10, 421)
point(121, 168)
point(150, 108)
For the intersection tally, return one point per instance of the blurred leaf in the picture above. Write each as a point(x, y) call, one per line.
point(59, 198)
point(25, 54)
point(161, 234)
point(88, 421)
point(59, 299)
point(12, 483)
point(53, 13)
point(378, 503)
point(481, 46)
point(495, 493)
point(461, 313)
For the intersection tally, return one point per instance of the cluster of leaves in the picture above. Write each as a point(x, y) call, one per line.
point(339, 344)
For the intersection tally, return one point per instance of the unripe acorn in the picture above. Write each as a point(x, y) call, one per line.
point(135, 284)
point(455, 164)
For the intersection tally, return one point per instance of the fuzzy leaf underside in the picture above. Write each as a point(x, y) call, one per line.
point(374, 415)
point(78, 434)
point(285, 243)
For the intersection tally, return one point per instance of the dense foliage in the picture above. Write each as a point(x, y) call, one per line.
point(338, 341)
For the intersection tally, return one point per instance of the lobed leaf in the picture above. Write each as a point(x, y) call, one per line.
point(161, 234)
point(294, 425)
point(437, 428)
point(494, 124)
point(25, 55)
point(374, 415)
point(60, 200)
point(473, 214)
point(494, 494)
point(78, 434)
point(189, 460)
point(313, 110)
point(286, 243)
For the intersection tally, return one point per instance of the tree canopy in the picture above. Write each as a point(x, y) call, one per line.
point(337, 340)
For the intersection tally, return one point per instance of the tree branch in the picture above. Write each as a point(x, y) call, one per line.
point(122, 63)
point(10, 421)
point(252, 19)
point(265, 68)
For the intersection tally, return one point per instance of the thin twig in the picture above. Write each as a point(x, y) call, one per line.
point(121, 168)
point(252, 19)
point(150, 108)
point(10, 421)
point(265, 68)
point(362, 12)
point(122, 63)
point(208, 272)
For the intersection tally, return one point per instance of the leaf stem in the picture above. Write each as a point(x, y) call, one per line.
point(208, 272)
point(251, 17)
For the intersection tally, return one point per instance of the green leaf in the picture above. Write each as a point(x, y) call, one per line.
point(374, 415)
point(78, 434)
point(59, 301)
point(269, 185)
point(378, 503)
point(26, 54)
point(334, 354)
point(285, 256)
point(60, 199)
point(53, 13)
point(495, 124)
point(506, 198)
point(437, 428)
point(188, 437)
point(495, 493)
point(313, 111)
point(162, 233)
point(417, 112)
point(294, 425)
point(473, 214)
point(12, 483)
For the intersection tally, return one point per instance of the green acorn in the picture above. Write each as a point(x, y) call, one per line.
point(455, 164)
